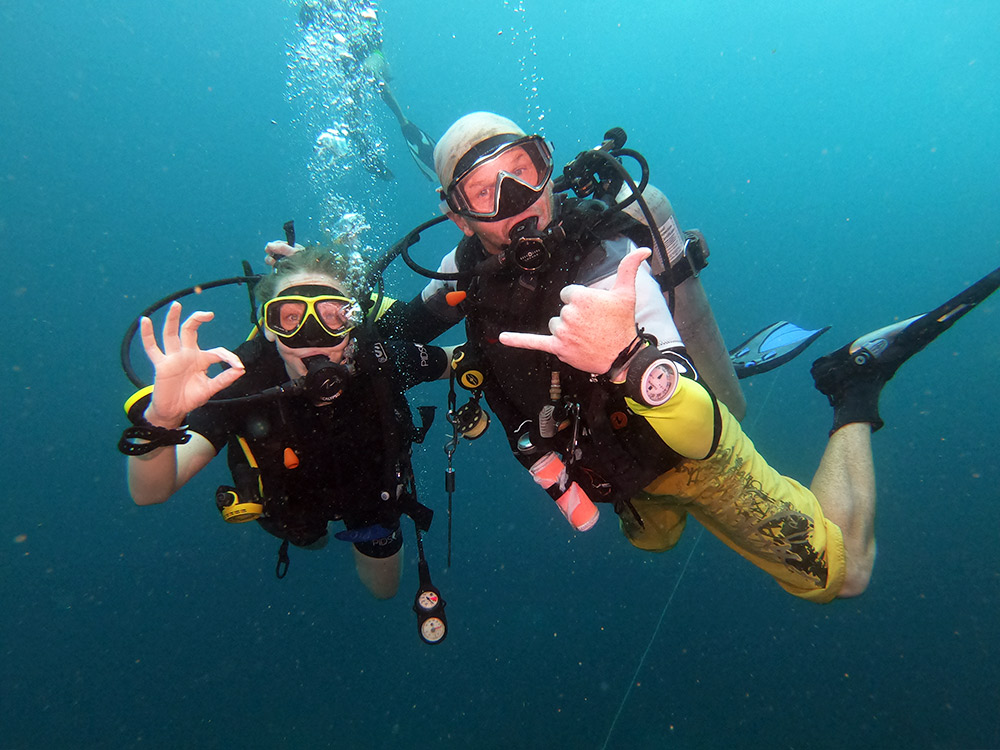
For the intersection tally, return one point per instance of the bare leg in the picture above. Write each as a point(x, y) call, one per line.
point(852, 379)
point(380, 575)
point(844, 484)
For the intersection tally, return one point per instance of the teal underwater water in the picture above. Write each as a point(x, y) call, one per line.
point(842, 159)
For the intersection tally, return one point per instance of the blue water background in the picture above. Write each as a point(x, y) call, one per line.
point(842, 159)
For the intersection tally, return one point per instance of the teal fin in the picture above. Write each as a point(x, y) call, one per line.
point(771, 347)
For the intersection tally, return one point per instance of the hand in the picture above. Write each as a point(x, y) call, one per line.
point(275, 251)
point(594, 325)
point(182, 382)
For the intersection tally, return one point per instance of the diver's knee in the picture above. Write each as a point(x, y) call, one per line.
point(380, 575)
point(858, 574)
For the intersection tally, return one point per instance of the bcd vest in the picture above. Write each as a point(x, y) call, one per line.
point(617, 452)
point(369, 440)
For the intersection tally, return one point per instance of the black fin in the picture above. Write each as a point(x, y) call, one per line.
point(927, 327)
point(420, 144)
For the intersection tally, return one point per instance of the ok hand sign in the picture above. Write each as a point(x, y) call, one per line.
point(182, 382)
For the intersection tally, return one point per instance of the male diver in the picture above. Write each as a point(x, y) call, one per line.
point(579, 358)
point(312, 413)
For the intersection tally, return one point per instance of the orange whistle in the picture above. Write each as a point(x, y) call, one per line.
point(291, 460)
point(454, 298)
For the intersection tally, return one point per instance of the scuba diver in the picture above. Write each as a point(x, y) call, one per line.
point(602, 395)
point(312, 413)
point(352, 29)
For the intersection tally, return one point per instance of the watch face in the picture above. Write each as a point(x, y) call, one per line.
point(659, 383)
point(427, 600)
point(432, 629)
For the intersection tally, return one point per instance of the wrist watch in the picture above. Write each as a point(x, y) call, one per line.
point(652, 378)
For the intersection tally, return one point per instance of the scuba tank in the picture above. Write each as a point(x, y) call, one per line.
point(687, 253)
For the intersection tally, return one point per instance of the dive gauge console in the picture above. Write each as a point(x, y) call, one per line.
point(652, 378)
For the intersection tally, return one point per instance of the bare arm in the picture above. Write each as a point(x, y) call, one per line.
point(276, 250)
point(156, 476)
point(182, 384)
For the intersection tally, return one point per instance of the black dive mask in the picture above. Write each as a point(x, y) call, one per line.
point(530, 247)
point(513, 197)
point(500, 177)
point(309, 316)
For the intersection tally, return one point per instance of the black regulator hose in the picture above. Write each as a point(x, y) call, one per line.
point(637, 197)
point(643, 179)
point(126, 347)
point(402, 248)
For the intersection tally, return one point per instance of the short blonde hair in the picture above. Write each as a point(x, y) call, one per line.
point(337, 262)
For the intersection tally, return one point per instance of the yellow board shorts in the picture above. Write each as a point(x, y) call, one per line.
point(771, 520)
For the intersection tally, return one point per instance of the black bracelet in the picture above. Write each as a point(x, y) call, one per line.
point(154, 437)
point(641, 339)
